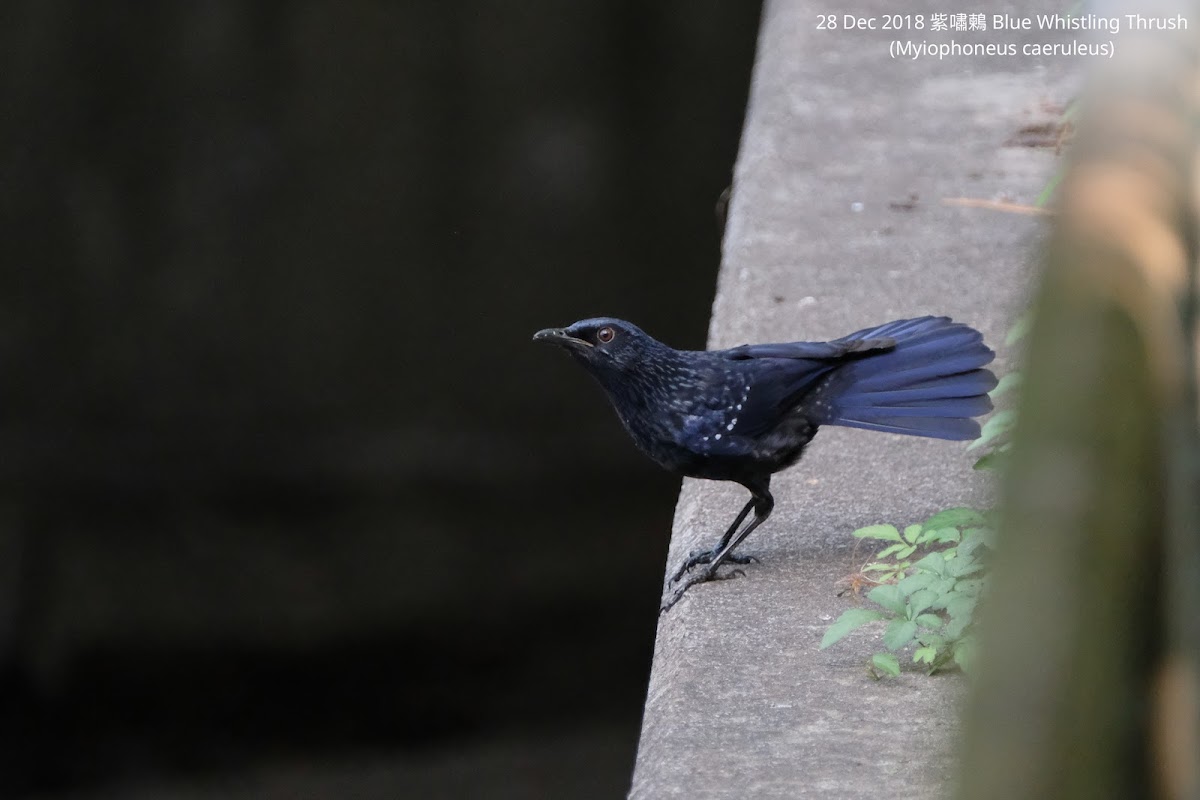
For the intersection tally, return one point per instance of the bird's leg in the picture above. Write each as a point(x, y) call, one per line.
point(762, 503)
point(706, 556)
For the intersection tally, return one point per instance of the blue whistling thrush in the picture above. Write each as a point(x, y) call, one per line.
point(746, 413)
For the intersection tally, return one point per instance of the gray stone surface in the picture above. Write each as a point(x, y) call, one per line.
point(839, 139)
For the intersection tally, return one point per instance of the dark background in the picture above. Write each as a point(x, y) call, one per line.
point(284, 479)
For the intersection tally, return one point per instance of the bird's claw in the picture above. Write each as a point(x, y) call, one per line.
point(697, 557)
point(707, 575)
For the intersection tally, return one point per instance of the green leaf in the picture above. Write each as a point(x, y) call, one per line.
point(850, 619)
point(932, 640)
point(939, 663)
point(973, 539)
point(1007, 383)
point(918, 580)
point(999, 425)
point(890, 597)
point(887, 572)
point(925, 654)
point(911, 532)
point(961, 607)
point(929, 621)
point(988, 535)
point(939, 536)
point(956, 627)
point(994, 461)
point(945, 597)
point(887, 533)
point(905, 551)
point(955, 518)
point(962, 567)
point(942, 586)
point(899, 633)
point(887, 551)
point(887, 664)
point(919, 601)
point(934, 562)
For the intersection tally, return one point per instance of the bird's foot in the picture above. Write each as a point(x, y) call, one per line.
point(704, 576)
point(697, 557)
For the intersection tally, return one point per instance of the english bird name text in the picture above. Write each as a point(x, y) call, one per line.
point(1088, 22)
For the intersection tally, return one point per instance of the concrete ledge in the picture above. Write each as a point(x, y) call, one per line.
point(837, 222)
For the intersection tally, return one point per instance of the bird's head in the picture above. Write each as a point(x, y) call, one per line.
point(602, 344)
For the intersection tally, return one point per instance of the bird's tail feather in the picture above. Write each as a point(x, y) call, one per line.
point(931, 383)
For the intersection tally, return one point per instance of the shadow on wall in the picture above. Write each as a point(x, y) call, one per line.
point(283, 476)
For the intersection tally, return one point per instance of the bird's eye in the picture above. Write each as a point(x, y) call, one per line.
point(605, 335)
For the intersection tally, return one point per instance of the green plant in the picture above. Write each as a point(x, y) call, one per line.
point(928, 603)
point(928, 579)
point(996, 433)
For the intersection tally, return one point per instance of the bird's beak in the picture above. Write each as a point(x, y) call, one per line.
point(560, 337)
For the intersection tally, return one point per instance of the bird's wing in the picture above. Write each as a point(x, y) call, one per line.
point(810, 350)
point(778, 375)
point(774, 383)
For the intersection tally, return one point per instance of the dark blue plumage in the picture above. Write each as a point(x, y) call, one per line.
point(745, 413)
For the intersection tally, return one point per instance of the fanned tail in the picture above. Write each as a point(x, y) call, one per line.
point(930, 383)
